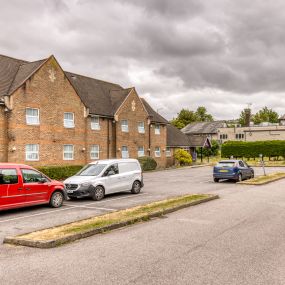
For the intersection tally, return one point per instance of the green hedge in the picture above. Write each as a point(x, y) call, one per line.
point(183, 157)
point(60, 172)
point(147, 163)
point(253, 149)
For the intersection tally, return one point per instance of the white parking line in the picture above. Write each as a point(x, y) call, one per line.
point(70, 207)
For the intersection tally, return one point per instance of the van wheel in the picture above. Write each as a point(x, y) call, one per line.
point(136, 189)
point(216, 180)
point(98, 193)
point(56, 199)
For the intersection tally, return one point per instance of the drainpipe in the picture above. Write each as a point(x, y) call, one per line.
point(108, 139)
point(149, 139)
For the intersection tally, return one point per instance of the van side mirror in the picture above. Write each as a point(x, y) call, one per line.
point(42, 180)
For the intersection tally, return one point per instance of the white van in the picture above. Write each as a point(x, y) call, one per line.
point(105, 177)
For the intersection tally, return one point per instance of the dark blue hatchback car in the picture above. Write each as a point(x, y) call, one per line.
point(236, 170)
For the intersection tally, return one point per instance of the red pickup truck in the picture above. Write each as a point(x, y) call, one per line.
point(22, 185)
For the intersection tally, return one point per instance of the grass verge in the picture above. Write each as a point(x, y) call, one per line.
point(260, 180)
point(58, 235)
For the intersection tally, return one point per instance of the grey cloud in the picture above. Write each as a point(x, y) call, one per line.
point(174, 52)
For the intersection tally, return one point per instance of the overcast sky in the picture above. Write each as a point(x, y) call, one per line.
point(221, 54)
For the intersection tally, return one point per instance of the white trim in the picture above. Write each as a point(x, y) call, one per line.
point(29, 116)
point(31, 152)
point(65, 152)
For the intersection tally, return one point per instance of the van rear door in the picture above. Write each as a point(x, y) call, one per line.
point(12, 193)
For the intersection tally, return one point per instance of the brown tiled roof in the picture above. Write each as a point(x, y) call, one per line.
point(94, 93)
point(101, 97)
point(14, 72)
point(154, 116)
point(199, 141)
point(176, 138)
point(8, 70)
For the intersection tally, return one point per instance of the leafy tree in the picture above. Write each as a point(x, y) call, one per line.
point(202, 116)
point(265, 115)
point(186, 116)
point(242, 117)
point(213, 151)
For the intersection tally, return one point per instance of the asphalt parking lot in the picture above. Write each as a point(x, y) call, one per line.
point(158, 185)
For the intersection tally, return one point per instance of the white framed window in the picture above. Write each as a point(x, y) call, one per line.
point(32, 152)
point(140, 151)
point(157, 152)
point(141, 128)
point(125, 126)
point(157, 129)
point(125, 152)
point(68, 120)
point(94, 152)
point(168, 151)
point(95, 123)
point(68, 152)
point(32, 116)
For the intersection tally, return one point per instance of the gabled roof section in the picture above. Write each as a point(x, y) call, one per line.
point(199, 141)
point(14, 72)
point(176, 138)
point(95, 93)
point(118, 97)
point(154, 116)
point(25, 71)
point(203, 127)
point(8, 69)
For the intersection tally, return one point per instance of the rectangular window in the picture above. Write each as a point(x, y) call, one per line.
point(68, 120)
point(68, 151)
point(168, 151)
point(157, 129)
point(125, 152)
point(32, 116)
point(124, 126)
point(140, 151)
point(95, 123)
point(94, 153)
point(32, 152)
point(157, 152)
point(141, 127)
point(8, 176)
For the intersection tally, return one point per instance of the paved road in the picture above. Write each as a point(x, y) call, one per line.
point(238, 239)
point(158, 185)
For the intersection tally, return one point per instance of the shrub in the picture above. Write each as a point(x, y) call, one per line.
point(253, 149)
point(147, 163)
point(60, 172)
point(183, 157)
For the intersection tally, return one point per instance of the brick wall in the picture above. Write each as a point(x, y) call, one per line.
point(158, 141)
point(3, 135)
point(133, 111)
point(53, 96)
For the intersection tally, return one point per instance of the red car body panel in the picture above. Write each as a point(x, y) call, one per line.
point(20, 191)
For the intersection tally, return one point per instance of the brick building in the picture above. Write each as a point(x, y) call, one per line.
point(52, 117)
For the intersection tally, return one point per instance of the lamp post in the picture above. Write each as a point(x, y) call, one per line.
point(262, 163)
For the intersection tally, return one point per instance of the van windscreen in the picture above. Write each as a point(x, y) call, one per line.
point(91, 170)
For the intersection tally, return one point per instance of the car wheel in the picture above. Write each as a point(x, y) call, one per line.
point(56, 199)
point(252, 175)
point(239, 178)
point(98, 193)
point(136, 189)
point(216, 180)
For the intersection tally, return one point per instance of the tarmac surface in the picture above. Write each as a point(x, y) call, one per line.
point(238, 239)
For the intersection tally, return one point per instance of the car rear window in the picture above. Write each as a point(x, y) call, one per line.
point(226, 164)
point(8, 176)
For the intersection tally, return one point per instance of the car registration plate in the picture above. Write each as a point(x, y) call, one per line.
point(70, 191)
point(224, 170)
